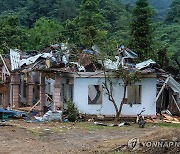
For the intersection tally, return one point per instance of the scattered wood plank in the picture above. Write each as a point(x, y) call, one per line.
point(168, 117)
point(34, 106)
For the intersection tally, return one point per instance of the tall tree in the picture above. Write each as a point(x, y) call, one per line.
point(174, 13)
point(58, 9)
point(45, 32)
point(12, 35)
point(90, 24)
point(141, 30)
point(168, 35)
point(118, 16)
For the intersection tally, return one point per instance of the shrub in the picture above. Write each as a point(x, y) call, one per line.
point(72, 111)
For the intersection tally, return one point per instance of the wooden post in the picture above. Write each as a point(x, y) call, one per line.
point(6, 98)
point(162, 88)
point(8, 72)
point(30, 90)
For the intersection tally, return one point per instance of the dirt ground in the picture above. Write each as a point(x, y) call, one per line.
point(19, 137)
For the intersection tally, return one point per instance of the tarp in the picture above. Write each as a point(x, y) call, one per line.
point(13, 113)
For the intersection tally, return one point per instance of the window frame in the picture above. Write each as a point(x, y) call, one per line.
point(99, 96)
point(135, 100)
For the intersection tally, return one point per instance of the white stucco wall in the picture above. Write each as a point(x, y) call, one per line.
point(148, 96)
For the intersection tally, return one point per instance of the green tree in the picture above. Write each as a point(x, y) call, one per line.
point(174, 13)
point(118, 16)
point(163, 58)
point(90, 24)
point(141, 30)
point(60, 10)
point(161, 6)
point(12, 35)
point(12, 5)
point(168, 36)
point(45, 32)
point(176, 59)
point(110, 80)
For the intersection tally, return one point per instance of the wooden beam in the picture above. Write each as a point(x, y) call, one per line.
point(5, 65)
point(162, 88)
point(49, 97)
point(34, 106)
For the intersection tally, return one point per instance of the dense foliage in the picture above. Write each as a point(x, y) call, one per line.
point(12, 35)
point(34, 24)
point(45, 32)
point(90, 24)
point(141, 31)
point(161, 6)
point(174, 13)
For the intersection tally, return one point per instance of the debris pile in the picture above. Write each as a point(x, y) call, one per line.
point(171, 119)
point(40, 68)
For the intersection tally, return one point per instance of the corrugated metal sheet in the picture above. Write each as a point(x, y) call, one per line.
point(33, 59)
point(15, 59)
point(145, 64)
point(174, 84)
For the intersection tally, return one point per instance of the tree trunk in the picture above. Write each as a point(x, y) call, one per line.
point(121, 105)
point(117, 117)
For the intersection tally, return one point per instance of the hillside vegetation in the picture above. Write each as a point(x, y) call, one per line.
point(34, 24)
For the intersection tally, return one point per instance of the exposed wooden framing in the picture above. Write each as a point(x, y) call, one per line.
point(162, 88)
point(5, 65)
point(34, 106)
point(175, 103)
point(49, 97)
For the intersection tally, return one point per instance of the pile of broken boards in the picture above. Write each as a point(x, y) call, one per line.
point(164, 117)
point(171, 119)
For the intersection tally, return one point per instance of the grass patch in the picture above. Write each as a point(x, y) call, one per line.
point(164, 124)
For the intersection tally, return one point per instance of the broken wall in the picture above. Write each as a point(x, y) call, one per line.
point(148, 95)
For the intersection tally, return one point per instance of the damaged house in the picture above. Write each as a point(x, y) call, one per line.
point(48, 80)
point(168, 97)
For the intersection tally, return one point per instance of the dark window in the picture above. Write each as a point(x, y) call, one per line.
point(134, 94)
point(94, 94)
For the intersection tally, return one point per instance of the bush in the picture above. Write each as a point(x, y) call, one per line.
point(72, 111)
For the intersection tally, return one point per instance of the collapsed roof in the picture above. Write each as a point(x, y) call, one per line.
point(61, 56)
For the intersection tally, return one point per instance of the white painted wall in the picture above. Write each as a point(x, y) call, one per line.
point(106, 108)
